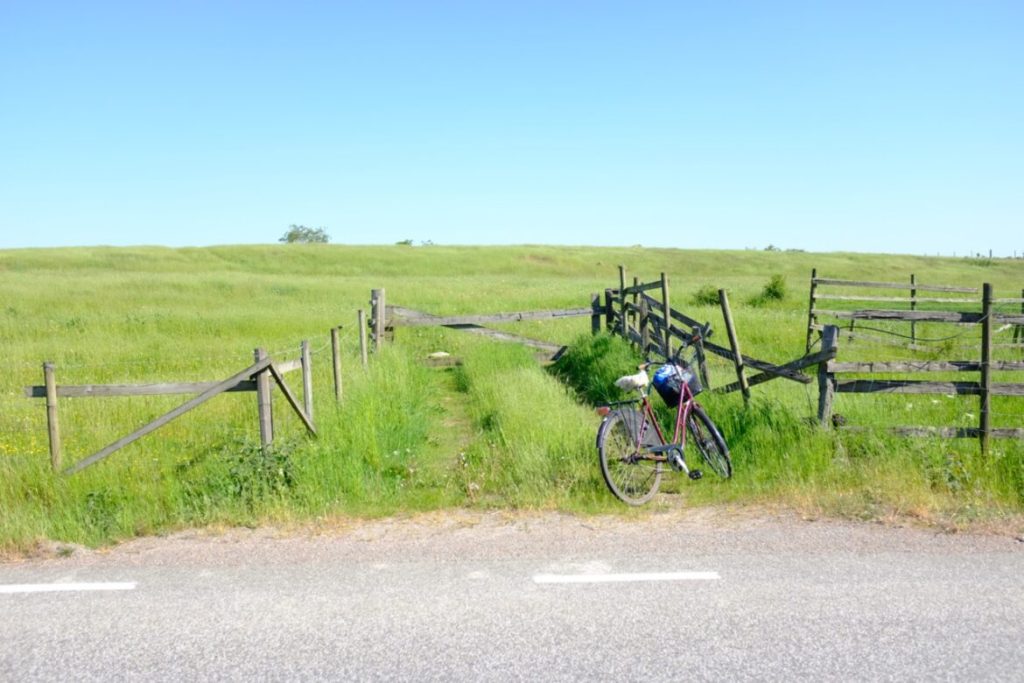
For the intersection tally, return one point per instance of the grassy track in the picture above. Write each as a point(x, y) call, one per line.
point(499, 431)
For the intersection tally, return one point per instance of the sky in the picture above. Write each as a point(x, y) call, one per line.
point(887, 127)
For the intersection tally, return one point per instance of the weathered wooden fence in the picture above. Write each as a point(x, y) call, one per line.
point(875, 377)
point(385, 318)
point(653, 324)
point(257, 377)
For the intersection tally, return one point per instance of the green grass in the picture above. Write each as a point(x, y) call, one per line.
point(499, 431)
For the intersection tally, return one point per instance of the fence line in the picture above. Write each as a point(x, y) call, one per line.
point(257, 377)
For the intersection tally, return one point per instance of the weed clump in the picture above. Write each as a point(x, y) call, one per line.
point(707, 295)
point(773, 291)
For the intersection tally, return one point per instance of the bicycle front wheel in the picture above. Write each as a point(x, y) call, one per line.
point(628, 469)
point(709, 442)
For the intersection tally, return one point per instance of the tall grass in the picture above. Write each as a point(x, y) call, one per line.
point(498, 431)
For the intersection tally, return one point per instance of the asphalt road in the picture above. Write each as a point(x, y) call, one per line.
point(706, 594)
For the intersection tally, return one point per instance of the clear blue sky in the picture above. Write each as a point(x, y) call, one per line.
point(864, 126)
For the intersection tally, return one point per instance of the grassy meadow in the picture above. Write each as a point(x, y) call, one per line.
point(500, 431)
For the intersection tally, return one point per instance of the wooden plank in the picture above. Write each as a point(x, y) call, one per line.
point(667, 310)
point(421, 321)
point(52, 424)
point(111, 390)
point(894, 299)
point(882, 367)
point(895, 285)
point(763, 366)
point(595, 315)
point(286, 366)
point(1008, 301)
point(786, 371)
point(1008, 319)
point(919, 316)
point(640, 288)
point(476, 329)
point(306, 419)
point(171, 415)
point(907, 386)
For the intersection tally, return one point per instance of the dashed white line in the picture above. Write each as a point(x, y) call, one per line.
point(626, 578)
point(66, 587)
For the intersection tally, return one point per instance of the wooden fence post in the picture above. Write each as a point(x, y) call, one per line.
point(622, 295)
point(734, 342)
point(595, 316)
point(913, 307)
point(1018, 330)
point(336, 361)
point(811, 318)
point(668, 315)
point(645, 330)
point(362, 337)
point(986, 360)
point(307, 380)
point(52, 425)
point(264, 403)
point(827, 380)
point(377, 311)
point(609, 312)
point(636, 300)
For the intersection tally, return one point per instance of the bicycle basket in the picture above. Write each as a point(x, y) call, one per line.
point(668, 381)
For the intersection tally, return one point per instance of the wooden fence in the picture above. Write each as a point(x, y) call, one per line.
point(872, 377)
point(384, 318)
point(653, 324)
point(257, 377)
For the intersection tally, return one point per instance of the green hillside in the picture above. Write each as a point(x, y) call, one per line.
point(499, 431)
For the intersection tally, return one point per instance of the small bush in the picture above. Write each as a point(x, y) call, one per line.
point(707, 295)
point(773, 291)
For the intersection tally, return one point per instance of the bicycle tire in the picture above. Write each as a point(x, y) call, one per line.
point(709, 442)
point(633, 481)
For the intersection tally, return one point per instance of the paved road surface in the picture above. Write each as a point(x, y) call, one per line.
point(706, 594)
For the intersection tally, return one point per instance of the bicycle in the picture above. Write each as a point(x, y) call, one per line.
point(633, 454)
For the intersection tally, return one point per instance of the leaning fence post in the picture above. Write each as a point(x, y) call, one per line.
point(52, 425)
point(307, 380)
point(826, 379)
point(734, 342)
point(336, 361)
point(264, 403)
point(362, 337)
point(986, 361)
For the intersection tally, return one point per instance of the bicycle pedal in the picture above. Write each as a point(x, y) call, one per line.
point(696, 474)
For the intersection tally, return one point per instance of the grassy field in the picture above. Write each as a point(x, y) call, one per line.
point(499, 431)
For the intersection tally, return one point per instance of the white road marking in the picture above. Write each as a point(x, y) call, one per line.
point(626, 578)
point(65, 587)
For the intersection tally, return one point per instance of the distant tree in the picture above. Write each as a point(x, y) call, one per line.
point(302, 234)
point(404, 243)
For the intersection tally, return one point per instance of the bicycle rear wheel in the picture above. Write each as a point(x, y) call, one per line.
point(709, 442)
point(625, 462)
